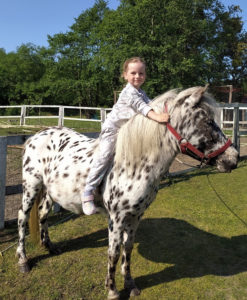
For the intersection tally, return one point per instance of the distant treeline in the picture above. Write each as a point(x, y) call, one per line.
point(184, 43)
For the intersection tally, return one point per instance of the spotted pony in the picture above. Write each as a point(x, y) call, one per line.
point(57, 160)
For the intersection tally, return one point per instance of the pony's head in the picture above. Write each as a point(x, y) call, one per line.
point(195, 115)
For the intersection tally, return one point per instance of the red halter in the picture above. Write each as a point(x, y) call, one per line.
point(187, 145)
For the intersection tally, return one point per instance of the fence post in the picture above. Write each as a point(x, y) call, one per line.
point(236, 137)
point(222, 117)
point(102, 115)
point(3, 160)
point(23, 115)
point(61, 116)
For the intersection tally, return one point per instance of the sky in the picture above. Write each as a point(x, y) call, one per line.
point(30, 21)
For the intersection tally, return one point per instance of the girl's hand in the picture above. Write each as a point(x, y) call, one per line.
point(161, 118)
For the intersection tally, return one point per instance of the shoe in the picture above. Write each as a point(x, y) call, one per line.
point(88, 206)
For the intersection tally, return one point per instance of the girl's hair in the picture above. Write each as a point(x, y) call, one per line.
point(131, 60)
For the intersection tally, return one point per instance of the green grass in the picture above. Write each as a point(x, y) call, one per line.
point(189, 245)
point(34, 125)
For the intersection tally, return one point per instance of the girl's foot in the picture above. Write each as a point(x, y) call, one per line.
point(88, 206)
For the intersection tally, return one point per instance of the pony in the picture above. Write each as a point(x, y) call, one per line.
point(56, 162)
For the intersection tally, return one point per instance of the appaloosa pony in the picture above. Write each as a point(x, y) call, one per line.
point(57, 160)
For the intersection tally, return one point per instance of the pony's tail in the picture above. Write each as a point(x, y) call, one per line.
point(33, 222)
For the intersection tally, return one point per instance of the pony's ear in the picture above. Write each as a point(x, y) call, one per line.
point(197, 94)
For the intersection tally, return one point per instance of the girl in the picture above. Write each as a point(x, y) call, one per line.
point(132, 100)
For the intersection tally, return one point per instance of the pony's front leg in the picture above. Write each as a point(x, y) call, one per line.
point(115, 240)
point(128, 241)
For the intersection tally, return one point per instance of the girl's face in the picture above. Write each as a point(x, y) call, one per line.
point(135, 74)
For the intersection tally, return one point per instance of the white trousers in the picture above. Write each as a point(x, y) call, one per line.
point(102, 160)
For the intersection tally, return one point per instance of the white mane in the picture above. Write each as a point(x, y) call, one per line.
point(141, 137)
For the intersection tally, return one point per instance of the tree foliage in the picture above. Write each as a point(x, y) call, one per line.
point(184, 43)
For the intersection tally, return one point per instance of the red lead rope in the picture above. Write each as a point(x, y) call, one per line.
point(187, 145)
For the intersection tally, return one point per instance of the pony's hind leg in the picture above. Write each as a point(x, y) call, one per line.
point(30, 193)
point(43, 211)
point(128, 241)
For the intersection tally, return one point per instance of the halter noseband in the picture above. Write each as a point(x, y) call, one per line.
point(185, 146)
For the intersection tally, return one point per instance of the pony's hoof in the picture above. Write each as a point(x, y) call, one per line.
point(131, 287)
point(24, 268)
point(135, 292)
point(113, 295)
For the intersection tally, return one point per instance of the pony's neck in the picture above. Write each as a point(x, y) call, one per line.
point(143, 140)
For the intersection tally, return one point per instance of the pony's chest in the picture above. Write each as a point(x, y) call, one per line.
point(125, 194)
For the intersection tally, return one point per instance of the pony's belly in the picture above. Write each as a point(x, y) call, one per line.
point(69, 197)
point(74, 207)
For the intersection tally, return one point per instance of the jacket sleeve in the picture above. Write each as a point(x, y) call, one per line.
point(137, 102)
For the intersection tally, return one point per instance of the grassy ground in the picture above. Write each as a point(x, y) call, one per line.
point(189, 245)
point(34, 125)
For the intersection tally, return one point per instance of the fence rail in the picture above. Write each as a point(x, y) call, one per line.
point(61, 116)
point(6, 141)
point(61, 113)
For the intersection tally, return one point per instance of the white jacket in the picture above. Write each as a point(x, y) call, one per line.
point(130, 102)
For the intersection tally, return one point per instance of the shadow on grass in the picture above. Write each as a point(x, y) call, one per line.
point(94, 240)
point(191, 252)
point(167, 181)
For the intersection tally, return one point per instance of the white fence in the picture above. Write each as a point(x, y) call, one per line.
point(60, 113)
point(233, 118)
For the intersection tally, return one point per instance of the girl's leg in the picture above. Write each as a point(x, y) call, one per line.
point(98, 170)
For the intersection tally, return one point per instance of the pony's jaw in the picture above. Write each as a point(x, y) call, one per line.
point(227, 161)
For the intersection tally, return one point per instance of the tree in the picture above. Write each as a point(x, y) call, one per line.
point(184, 43)
point(19, 75)
point(74, 74)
